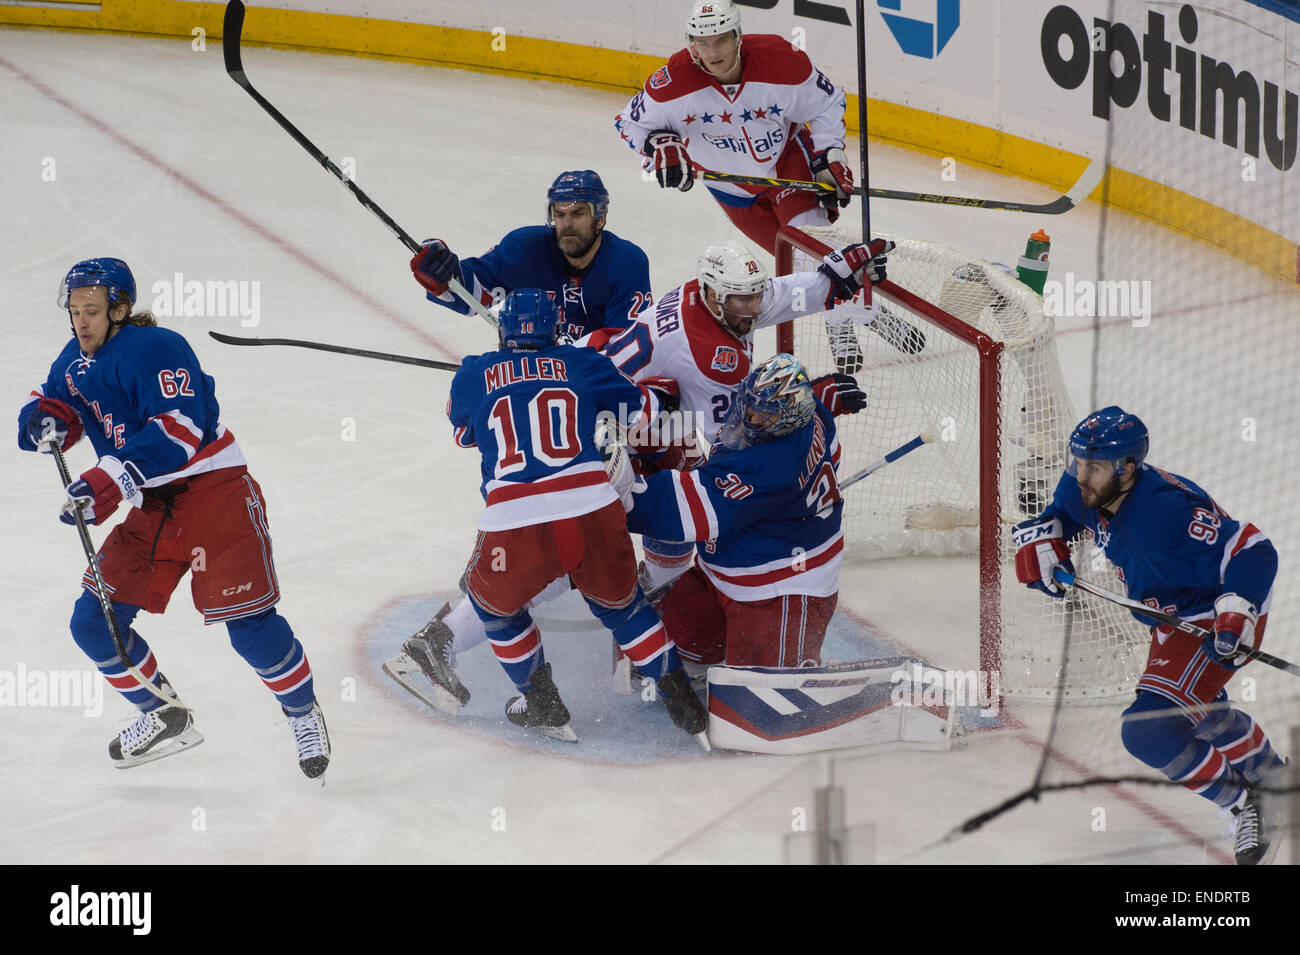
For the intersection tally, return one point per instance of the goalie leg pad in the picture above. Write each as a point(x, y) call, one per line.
point(811, 709)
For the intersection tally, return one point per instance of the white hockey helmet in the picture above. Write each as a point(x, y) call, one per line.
point(730, 269)
point(712, 18)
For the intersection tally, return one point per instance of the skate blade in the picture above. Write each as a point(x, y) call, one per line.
point(187, 740)
point(563, 733)
point(622, 677)
point(408, 674)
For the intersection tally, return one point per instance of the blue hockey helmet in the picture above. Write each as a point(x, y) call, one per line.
point(113, 274)
point(1111, 434)
point(579, 185)
point(529, 318)
point(774, 400)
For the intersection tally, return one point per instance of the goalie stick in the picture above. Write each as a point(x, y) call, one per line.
point(925, 437)
point(1080, 191)
point(338, 349)
point(1063, 576)
point(231, 32)
point(101, 589)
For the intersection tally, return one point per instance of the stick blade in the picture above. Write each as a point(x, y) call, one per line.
point(232, 340)
point(231, 30)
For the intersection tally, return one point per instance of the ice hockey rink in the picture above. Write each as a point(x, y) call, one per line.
point(145, 150)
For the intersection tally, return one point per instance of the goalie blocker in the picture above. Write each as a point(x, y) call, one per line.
point(794, 710)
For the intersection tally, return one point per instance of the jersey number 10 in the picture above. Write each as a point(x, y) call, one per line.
point(551, 431)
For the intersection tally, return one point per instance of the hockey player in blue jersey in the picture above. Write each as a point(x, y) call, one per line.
point(531, 408)
point(1177, 551)
point(765, 508)
point(601, 280)
point(152, 417)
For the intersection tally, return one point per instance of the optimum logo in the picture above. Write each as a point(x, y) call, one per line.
point(1115, 57)
point(923, 38)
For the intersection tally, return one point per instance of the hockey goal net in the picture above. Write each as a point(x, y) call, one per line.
point(959, 346)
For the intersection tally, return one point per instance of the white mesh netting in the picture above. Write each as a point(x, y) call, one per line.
point(917, 375)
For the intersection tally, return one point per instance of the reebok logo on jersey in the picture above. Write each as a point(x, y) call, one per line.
point(726, 358)
point(660, 78)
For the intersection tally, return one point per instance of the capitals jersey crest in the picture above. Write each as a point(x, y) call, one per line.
point(726, 358)
point(660, 78)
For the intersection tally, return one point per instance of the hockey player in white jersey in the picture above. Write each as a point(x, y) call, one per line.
point(701, 337)
point(755, 106)
point(698, 343)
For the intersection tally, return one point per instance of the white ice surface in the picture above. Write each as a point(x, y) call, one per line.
point(373, 509)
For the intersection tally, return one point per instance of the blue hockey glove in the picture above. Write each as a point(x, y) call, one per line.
point(841, 394)
point(52, 418)
point(435, 265)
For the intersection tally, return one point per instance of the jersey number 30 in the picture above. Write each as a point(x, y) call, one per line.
point(552, 436)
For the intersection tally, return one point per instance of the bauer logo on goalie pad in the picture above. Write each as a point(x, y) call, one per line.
point(660, 78)
point(726, 358)
point(793, 710)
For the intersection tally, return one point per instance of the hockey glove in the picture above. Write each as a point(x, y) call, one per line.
point(435, 265)
point(831, 167)
point(51, 419)
point(666, 391)
point(673, 166)
point(1234, 631)
point(853, 265)
point(98, 491)
point(1041, 548)
point(841, 394)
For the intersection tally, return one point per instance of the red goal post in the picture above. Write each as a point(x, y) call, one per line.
point(956, 344)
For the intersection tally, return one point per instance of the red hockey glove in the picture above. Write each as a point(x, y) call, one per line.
point(98, 491)
point(673, 166)
point(831, 167)
point(1041, 549)
point(853, 265)
point(1234, 631)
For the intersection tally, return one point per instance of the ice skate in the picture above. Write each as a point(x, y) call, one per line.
point(424, 667)
point(1251, 844)
point(541, 708)
point(313, 741)
point(158, 733)
point(684, 706)
point(845, 348)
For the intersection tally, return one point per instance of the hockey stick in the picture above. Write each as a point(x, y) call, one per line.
point(101, 589)
point(232, 30)
point(1080, 191)
point(925, 437)
point(338, 349)
point(1063, 576)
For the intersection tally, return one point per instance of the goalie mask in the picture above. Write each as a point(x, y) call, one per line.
point(729, 269)
point(774, 400)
